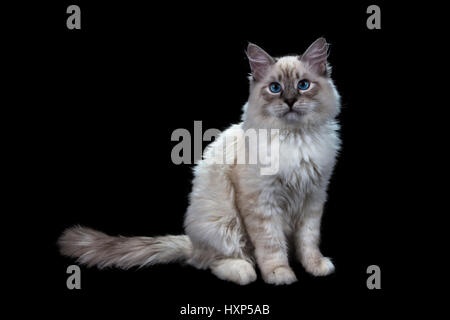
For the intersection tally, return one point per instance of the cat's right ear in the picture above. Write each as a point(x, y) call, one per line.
point(259, 60)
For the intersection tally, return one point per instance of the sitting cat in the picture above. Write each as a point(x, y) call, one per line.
point(237, 216)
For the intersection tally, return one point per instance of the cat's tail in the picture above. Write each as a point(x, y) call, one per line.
point(94, 248)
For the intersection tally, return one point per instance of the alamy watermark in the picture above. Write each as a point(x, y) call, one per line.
point(74, 19)
point(374, 20)
point(374, 280)
point(74, 280)
point(260, 147)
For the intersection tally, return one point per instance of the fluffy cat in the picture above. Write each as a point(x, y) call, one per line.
point(237, 217)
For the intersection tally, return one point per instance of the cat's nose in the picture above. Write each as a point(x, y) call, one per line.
point(290, 102)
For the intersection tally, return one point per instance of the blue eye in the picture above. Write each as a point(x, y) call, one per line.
point(275, 87)
point(303, 84)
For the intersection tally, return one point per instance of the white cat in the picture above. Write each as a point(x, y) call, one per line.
point(238, 216)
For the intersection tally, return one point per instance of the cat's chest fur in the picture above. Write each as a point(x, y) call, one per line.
point(305, 164)
point(300, 159)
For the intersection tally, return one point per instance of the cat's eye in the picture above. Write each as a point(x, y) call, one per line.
point(303, 84)
point(275, 87)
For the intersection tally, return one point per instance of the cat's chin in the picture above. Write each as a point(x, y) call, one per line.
point(293, 120)
point(293, 117)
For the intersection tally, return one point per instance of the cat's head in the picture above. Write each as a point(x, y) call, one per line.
point(292, 91)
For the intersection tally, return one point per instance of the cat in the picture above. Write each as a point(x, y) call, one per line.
point(238, 218)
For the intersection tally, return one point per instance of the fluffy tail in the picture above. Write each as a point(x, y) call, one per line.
point(94, 248)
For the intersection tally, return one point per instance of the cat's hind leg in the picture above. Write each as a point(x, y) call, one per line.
point(235, 270)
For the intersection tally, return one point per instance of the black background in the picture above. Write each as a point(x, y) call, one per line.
point(113, 93)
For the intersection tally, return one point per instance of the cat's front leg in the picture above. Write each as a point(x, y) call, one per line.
point(266, 233)
point(307, 242)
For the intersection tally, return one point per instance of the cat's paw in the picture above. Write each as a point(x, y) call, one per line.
point(319, 267)
point(235, 270)
point(281, 275)
point(245, 274)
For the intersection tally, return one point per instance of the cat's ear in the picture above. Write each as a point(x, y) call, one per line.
point(259, 60)
point(316, 56)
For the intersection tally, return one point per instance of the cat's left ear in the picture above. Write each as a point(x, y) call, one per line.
point(316, 56)
point(259, 60)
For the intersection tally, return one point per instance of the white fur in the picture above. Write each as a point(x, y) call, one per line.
point(238, 216)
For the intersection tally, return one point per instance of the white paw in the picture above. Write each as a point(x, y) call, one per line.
point(320, 267)
point(235, 270)
point(281, 275)
point(245, 274)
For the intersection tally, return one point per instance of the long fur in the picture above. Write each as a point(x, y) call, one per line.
point(238, 217)
point(94, 248)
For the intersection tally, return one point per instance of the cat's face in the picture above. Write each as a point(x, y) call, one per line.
point(292, 91)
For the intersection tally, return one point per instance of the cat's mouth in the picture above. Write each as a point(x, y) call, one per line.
point(291, 115)
point(294, 113)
